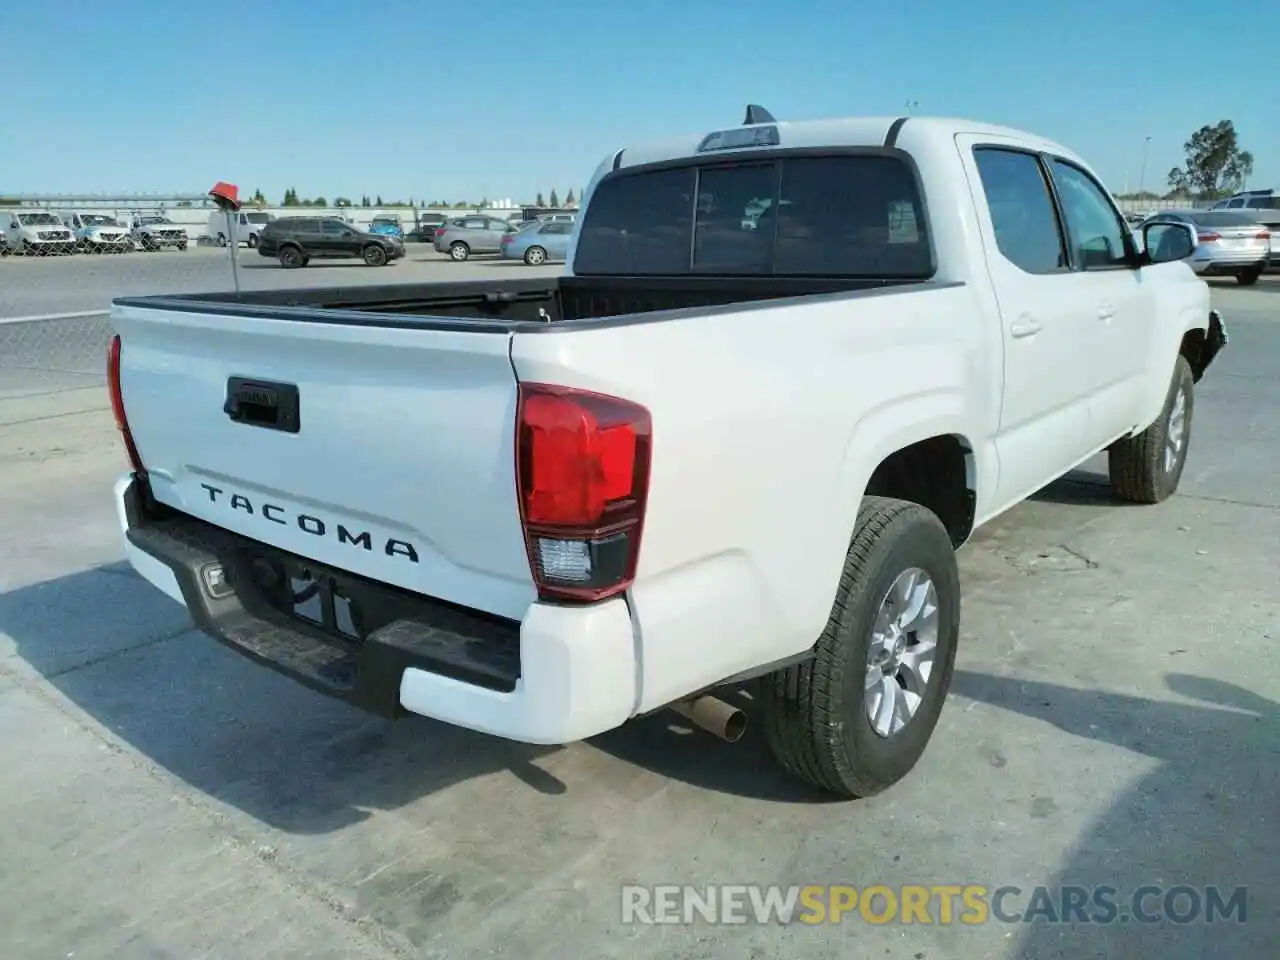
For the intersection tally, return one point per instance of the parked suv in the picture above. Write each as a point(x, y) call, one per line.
point(467, 235)
point(296, 240)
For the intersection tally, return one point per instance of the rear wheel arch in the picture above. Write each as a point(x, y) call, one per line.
point(938, 472)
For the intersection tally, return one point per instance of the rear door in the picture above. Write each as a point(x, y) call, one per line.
point(398, 465)
point(1050, 337)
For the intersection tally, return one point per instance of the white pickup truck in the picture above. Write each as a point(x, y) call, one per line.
point(703, 456)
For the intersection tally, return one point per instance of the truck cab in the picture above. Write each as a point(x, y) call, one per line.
point(99, 232)
point(36, 233)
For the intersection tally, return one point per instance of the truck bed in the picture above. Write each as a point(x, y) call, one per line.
point(511, 302)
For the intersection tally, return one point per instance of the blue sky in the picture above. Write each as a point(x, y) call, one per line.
point(412, 98)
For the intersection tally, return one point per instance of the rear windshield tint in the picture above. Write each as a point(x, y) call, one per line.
point(856, 216)
point(1223, 219)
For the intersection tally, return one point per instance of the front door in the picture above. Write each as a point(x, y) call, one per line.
point(1115, 294)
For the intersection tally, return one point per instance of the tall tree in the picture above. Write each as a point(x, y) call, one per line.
point(379, 200)
point(555, 201)
point(569, 201)
point(1215, 163)
point(539, 202)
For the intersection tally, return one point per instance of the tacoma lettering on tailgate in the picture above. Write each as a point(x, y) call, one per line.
point(309, 523)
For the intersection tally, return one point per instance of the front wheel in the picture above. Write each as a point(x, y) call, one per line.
point(291, 258)
point(459, 251)
point(856, 718)
point(1247, 278)
point(253, 241)
point(1147, 468)
point(375, 256)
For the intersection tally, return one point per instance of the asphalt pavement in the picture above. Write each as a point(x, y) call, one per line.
point(1114, 721)
point(38, 286)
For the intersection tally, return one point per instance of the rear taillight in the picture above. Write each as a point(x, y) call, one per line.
point(1262, 235)
point(439, 231)
point(117, 406)
point(582, 468)
point(1209, 238)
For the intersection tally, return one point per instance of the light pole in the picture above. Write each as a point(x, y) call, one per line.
point(1142, 175)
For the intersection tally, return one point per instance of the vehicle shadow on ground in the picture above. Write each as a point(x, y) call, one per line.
point(125, 655)
point(1207, 816)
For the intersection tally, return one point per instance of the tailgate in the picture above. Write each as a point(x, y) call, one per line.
point(399, 465)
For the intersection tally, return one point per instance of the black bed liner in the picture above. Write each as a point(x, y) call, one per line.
point(521, 304)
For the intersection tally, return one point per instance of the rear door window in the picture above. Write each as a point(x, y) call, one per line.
point(822, 216)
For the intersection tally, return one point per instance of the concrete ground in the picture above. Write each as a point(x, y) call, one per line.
point(1113, 721)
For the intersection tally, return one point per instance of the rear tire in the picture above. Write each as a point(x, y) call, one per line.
point(818, 715)
point(459, 251)
point(291, 258)
point(253, 241)
point(1148, 467)
point(1247, 278)
point(535, 256)
point(375, 256)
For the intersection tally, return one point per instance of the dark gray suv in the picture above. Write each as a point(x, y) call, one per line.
point(295, 241)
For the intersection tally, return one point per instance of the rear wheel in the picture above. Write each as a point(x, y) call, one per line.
point(375, 256)
point(535, 256)
point(291, 258)
point(459, 251)
point(1147, 468)
point(1248, 277)
point(253, 241)
point(856, 718)
point(222, 239)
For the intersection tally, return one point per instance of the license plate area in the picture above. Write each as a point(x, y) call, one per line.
point(315, 596)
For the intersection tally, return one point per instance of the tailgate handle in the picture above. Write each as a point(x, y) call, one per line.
point(263, 403)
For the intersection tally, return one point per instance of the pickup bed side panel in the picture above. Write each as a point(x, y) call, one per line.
point(402, 469)
point(767, 421)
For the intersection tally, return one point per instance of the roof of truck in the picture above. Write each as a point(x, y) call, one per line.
point(839, 132)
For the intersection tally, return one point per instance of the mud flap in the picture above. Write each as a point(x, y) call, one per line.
point(1215, 339)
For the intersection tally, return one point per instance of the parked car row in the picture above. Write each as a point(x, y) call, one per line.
point(46, 233)
point(535, 241)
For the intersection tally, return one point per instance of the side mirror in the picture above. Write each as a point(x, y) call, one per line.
point(1166, 242)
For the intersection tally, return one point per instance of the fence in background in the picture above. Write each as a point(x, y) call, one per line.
point(63, 354)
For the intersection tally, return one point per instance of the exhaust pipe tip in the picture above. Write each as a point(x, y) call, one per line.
point(712, 714)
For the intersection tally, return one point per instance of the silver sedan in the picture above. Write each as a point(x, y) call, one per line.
point(1228, 243)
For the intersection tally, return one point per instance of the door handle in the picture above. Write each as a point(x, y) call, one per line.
point(1106, 311)
point(1025, 327)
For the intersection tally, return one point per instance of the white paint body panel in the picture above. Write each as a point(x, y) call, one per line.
point(768, 421)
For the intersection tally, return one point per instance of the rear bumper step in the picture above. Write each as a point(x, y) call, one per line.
point(226, 583)
point(562, 674)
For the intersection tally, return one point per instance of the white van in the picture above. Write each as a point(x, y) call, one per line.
point(36, 232)
point(249, 224)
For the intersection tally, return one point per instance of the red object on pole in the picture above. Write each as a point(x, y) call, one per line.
point(226, 195)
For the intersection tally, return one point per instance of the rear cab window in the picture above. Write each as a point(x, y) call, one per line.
point(839, 215)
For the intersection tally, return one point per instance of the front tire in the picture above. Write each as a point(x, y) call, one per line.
point(291, 258)
point(375, 256)
point(1148, 467)
point(1247, 278)
point(856, 718)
